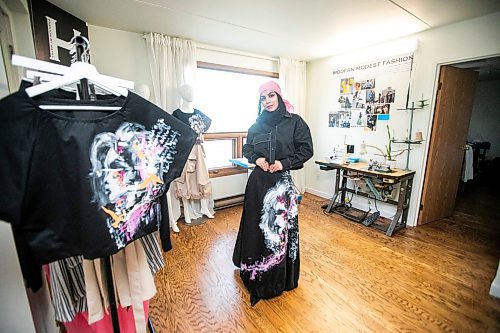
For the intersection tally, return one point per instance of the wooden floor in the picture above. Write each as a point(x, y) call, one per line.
point(434, 278)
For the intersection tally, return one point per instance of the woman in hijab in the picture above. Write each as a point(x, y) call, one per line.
point(267, 246)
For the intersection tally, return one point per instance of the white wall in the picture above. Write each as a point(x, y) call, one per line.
point(14, 307)
point(15, 314)
point(228, 186)
point(119, 53)
point(485, 119)
point(18, 13)
point(467, 40)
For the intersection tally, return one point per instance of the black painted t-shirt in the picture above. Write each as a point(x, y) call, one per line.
point(197, 120)
point(87, 182)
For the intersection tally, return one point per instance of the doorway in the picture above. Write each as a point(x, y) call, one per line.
point(478, 197)
point(465, 145)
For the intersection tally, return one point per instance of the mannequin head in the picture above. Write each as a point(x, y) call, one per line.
point(187, 92)
point(142, 90)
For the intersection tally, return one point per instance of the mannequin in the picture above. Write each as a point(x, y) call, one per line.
point(142, 90)
point(187, 94)
point(194, 186)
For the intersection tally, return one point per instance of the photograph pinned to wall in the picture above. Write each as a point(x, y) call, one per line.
point(382, 108)
point(371, 122)
point(388, 95)
point(333, 119)
point(358, 99)
point(386, 109)
point(345, 101)
point(358, 119)
point(346, 85)
point(370, 95)
point(344, 119)
point(367, 84)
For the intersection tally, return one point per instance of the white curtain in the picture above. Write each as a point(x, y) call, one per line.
point(172, 62)
point(293, 83)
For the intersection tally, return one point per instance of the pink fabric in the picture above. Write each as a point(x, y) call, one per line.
point(125, 318)
point(273, 86)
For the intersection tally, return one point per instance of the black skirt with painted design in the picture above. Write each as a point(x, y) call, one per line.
point(267, 246)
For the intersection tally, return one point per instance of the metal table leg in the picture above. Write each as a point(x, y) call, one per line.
point(401, 202)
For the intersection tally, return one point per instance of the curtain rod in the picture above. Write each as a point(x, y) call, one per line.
point(235, 52)
point(228, 51)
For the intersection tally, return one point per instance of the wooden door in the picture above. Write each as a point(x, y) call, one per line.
point(452, 114)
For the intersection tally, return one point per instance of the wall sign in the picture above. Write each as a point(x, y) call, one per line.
point(53, 29)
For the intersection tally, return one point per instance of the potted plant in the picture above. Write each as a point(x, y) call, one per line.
point(390, 157)
point(389, 154)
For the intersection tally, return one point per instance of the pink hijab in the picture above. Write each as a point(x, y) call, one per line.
point(273, 86)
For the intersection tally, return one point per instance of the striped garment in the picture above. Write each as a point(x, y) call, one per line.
point(67, 282)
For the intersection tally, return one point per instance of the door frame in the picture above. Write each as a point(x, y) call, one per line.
point(430, 126)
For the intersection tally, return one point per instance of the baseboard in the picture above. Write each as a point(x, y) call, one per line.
point(495, 285)
point(319, 193)
point(229, 202)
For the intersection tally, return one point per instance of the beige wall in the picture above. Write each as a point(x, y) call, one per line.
point(467, 40)
point(119, 53)
point(15, 314)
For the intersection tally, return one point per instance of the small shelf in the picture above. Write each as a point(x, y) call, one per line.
point(411, 142)
point(411, 109)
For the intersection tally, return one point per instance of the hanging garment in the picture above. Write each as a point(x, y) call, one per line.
point(67, 281)
point(197, 120)
point(194, 182)
point(125, 320)
point(468, 165)
point(133, 283)
point(87, 183)
point(267, 246)
point(194, 187)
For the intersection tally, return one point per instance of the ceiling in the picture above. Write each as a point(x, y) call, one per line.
point(296, 29)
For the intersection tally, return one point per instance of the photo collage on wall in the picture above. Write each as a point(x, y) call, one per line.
point(361, 104)
point(364, 94)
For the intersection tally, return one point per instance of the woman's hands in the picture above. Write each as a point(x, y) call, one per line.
point(275, 167)
point(262, 163)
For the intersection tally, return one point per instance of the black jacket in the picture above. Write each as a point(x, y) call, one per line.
point(289, 141)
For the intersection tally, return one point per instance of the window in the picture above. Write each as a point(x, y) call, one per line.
point(219, 152)
point(230, 97)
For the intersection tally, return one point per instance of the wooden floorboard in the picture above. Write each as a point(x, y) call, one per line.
point(434, 278)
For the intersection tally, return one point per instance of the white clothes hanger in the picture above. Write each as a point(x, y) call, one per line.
point(48, 67)
point(32, 76)
point(78, 71)
point(44, 77)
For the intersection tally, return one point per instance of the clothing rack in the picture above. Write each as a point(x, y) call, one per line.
point(83, 90)
point(86, 92)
